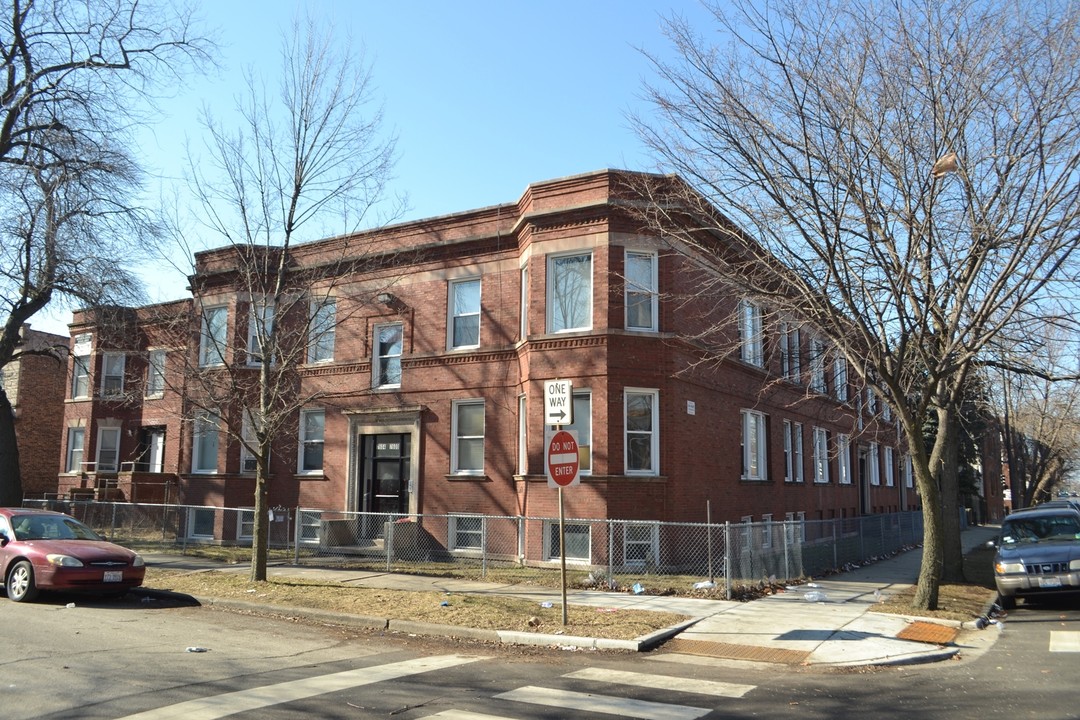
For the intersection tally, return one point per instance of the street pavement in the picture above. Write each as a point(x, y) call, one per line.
point(827, 621)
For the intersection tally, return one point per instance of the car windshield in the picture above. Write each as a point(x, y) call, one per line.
point(50, 527)
point(1039, 529)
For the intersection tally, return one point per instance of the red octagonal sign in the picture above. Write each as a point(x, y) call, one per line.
point(562, 460)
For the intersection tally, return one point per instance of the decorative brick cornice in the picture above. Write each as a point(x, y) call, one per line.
point(568, 343)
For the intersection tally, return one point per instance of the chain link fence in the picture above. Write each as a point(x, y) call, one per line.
point(651, 557)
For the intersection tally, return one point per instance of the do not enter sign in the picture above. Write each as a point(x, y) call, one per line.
point(562, 460)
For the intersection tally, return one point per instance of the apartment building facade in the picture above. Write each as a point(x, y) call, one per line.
point(425, 371)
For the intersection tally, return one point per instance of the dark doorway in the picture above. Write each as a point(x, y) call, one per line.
point(384, 463)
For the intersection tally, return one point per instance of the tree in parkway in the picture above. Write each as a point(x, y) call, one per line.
point(902, 177)
point(305, 159)
point(71, 74)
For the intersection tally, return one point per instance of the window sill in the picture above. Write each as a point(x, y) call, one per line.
point(467, 477)
point(310, 476)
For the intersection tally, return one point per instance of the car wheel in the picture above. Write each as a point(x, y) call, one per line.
point(1007, 602)
point(20, 582)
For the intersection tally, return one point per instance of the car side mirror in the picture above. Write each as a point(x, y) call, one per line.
point(991, 544)
point(4, 539)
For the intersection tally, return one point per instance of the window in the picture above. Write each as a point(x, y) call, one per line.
point(212, 342)
point(641, 543)
point(793, 469)
point(523, 436)
point(873, 464)
point(155, 373)
point(322, 329)
point(578, 542)
point(909, 479)
point(569, 301)
point(886, 411)
point(821, 455)
point(766, 530)
point(871, 401)
point(524, 302)
point(312, 428)
point(108, 449)
point(840, 378)
point(201, 523)
point(890, 480)
point(790, 359)
point(843, 457)
point(248, 461)
point(76, 443)
point(260, 330)
point(796, 527)
point(750, 337)
point(467, 452)
point(817, 365)
point(245, 529)
point(753, 446)
point(642, 432)
point(80, 376)
point(112, 374)
point(466, 532)
point(641, 288)
point(583, 425)
point(464, 322)
point(204, 447)
point(388, 343)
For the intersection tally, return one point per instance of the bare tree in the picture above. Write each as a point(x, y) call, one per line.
point(899, 176)
point(308, 157)
point(72, 72)
point(1038, 416)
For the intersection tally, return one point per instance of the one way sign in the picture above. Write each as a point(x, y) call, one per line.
point(558, 402)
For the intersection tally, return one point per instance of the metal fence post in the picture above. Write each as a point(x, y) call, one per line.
point(296, 538)
point(483, 547)
point(388, 541)
point(727, 558)
point(610, 555)
point(835, 546)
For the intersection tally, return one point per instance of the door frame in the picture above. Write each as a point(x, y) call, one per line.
point(383, 421)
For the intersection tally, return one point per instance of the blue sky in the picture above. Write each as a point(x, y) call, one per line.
point(485, 97)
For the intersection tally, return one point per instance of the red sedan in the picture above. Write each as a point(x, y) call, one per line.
point(44, 550)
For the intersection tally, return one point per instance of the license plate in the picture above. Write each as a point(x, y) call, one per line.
point(114, 576)
point(1049, 582)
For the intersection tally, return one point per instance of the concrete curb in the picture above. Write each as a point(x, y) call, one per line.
point(412, 627)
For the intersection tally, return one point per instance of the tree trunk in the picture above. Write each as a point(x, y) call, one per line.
point(948, 470)
point(11, 493)
point(926, 591)
point(261, 532)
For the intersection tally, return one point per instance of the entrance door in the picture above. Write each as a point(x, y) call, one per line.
point(385, 468)
point(156, 451)
point(152, 450)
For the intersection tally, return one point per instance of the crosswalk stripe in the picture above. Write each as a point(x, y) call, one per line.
point(464, 715)
point(219, 706)
point(1064, 641)
point(607, 704)
point(663, 682)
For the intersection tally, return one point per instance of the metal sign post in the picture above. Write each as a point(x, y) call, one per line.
point(562, 465)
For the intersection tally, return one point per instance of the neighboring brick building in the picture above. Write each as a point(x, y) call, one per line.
point(431, 381)
point(35, 385)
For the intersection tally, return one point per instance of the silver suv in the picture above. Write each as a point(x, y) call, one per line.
point(1038, 553)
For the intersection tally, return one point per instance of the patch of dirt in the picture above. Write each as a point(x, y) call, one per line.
point(474, 611)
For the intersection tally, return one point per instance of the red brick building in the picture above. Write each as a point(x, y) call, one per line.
point(34, 383)
point(428, 370)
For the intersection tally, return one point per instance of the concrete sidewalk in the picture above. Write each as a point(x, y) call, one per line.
point(826, 622)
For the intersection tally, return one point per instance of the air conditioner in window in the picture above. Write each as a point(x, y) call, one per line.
point(249, 463)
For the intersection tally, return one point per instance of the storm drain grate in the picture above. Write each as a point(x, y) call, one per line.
point(730, 651)
point(928, 632)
